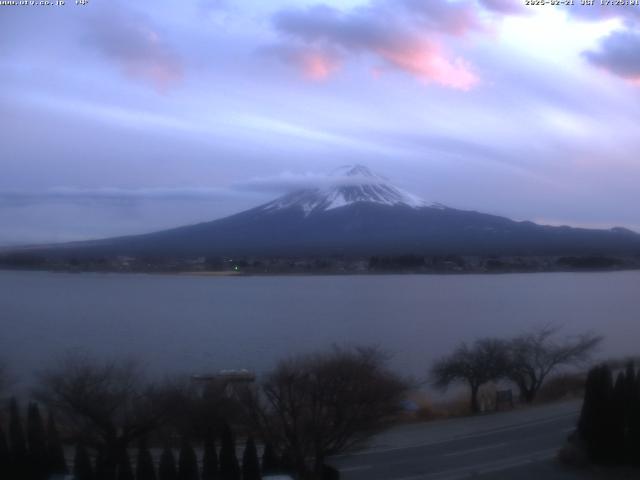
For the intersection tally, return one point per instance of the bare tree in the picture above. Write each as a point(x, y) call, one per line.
point(536, 354)
point(318, 405)
point(484, 361)
point(108, 404)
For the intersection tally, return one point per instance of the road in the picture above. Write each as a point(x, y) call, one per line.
point(518, 444)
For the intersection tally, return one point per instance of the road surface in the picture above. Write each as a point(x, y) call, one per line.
point(518, 444)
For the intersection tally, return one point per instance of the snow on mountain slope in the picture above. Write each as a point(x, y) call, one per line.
point(352, 184)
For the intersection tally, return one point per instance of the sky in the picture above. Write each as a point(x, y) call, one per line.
point(127, 117)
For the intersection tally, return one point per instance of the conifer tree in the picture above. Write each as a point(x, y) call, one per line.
point(629, 387)
point(125, 472)
point(4, 456)
point(330, 473)
point(107, 464)
point(210, 458)
point(287, 464)
point(17, 443)
point(101, 472)
point(55, 452)
point(37, 444)
point(144, 464)
point(269, 460)
point(630, 404)
point(229, 468)
point(634, 425)
point(167, 469)
point(187, 462)
point(595, 426)
point(617, 416)
point(250, 463)
point(82, 468)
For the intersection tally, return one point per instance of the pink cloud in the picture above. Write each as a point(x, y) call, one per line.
point(407, 39)
point(317, 66)
point(314, 64)
point(427, 62)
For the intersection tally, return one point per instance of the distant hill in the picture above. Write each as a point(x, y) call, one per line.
point(362, 214)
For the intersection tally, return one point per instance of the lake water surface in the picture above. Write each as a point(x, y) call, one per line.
point(197, 324)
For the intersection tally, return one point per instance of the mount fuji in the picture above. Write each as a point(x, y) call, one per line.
point(358, 213)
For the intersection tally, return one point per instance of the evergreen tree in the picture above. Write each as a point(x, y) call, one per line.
point(629, 389)
point(144, 465)
point(287, 464)
point(167, 469)
point(107, 463)
point(187, 462)
point(55, 452)
point(36, 440)
point(4, 456)
point(629, 405)
point(229, 468)
point(82, 468)
point(269, 460)
point(103, 470)
point(250, 463)
point(125, 472)
point(618, 420)
point(634, 425)
point(210, 458)
point(18, 447)
point(595, 426)
point(330, 473)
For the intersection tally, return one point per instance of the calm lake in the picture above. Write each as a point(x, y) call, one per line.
point(201, 324)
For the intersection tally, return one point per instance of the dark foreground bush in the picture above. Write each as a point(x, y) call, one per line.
point(609, 426)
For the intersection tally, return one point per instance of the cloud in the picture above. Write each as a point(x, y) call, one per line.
point(452, 18)
point(213, 5)
point(315, 64)
point(110, 196)
point(107, 195)
point(619, 54)
point(287, 181)
point(407, 36)
point(599, 12)
point(137, 47)
point(427, 62)
point(505, 7)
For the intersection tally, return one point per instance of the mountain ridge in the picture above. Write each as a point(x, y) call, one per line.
point(361, 213)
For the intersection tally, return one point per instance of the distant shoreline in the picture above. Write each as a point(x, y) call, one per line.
point(412, 264)
point(228, 274)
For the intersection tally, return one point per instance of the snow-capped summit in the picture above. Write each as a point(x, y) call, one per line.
point(356, 171)
point(349, 184)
